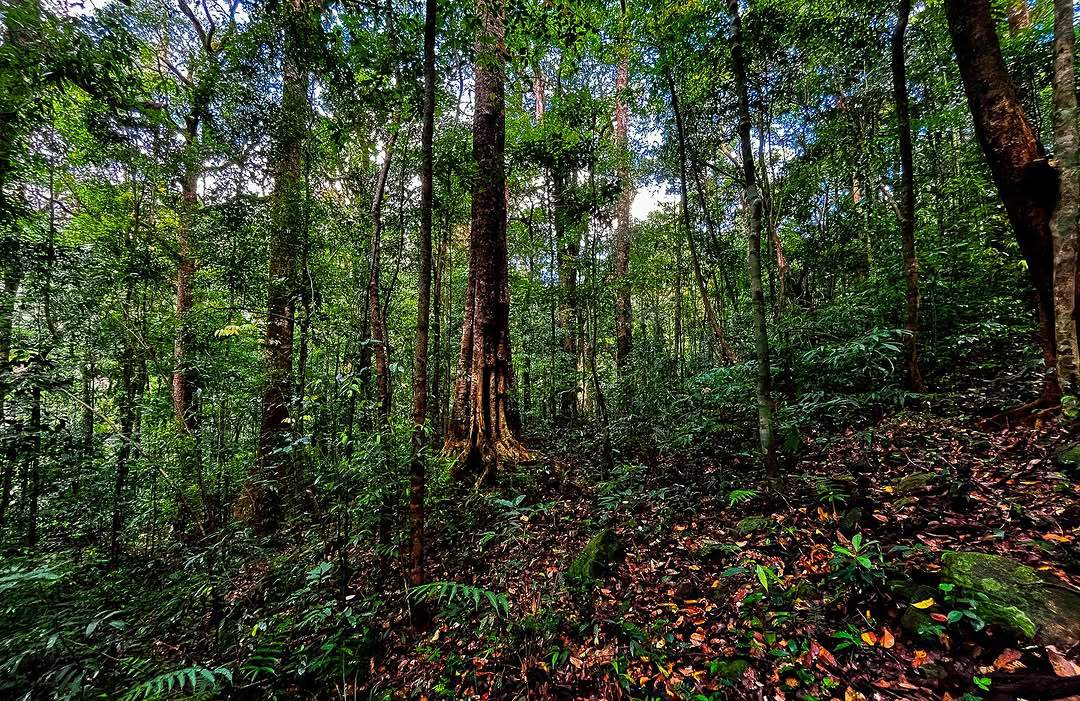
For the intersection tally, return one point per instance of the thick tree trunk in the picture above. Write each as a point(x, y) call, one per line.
point(725, 351)
point(1026, 181)
point(417, 477)
point(183, 384)
point(1063, 225)
point(483, 432)
point(274, 466)
point(907, 199)
point(375, 311)
point(754, 205)
point(623, 315)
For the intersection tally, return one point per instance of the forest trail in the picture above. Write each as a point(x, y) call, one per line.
point(726, 588)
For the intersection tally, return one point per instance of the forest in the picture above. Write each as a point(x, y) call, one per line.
point(539, 349)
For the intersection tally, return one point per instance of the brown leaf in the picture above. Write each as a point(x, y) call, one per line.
point(887, 639)
point(1007, 659)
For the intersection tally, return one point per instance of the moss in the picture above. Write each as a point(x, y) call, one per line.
point(914, 482)
point(595, 560)
point(1018, 598)
point(729, 671)
point(1069, 457)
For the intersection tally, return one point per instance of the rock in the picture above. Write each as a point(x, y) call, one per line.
point(595, 560)
point(729, 671)
point(914, 482)
point(1018, 597)
point(1069, 457)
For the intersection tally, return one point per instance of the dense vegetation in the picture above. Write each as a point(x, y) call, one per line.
point(546, 349)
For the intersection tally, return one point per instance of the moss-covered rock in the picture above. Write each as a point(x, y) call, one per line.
point(1069, 458)
point(596, 559)
point(1018, 598)
point(914, 482)
point(729, 671)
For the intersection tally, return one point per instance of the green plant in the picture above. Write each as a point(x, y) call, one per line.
point(450, 593)
point(738, 496)
point(188, 679)
point(858, 563)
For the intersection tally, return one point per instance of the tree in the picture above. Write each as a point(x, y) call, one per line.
point(375, 309)
point(272, 476)
point(624, 324)
point(1064, 222)
point(753, 257)
point(417, 478)
point(482, 430)
point(1026, 181)
point(725, 351)
point(907, 198)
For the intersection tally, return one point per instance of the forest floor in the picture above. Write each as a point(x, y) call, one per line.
point(728, 589)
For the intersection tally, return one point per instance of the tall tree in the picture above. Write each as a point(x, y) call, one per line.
point(1025, 179)
point(906, 206)
point(624, 324)
point(375, 307)
point(727, 354)
point(481, 429)
point(273, 478)
point(1064, 223)
point(417, 478)
point(753, 257)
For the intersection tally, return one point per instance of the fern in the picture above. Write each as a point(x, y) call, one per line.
point(449, 592)
point(753, 523)
point(738, 496)
point(189, 679)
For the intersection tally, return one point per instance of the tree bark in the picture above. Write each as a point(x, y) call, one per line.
point(482, 431)
point(1064, 222)
point(907, 199)
point(753, 257)
point(623, 314)
point(417, 477)
point(1025, 179)
point(274, 466)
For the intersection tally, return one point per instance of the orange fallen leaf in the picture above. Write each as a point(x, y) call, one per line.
point(921, 658)
point(870, 638)
point(887, 639)
point(1055, 538)
point(1006, 658)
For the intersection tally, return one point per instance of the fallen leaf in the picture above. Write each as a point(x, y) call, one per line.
point(921, 658)
point(870, 638)
point(887, 639)
point(1063, 667)
point(1006, 659)
point(925, 603)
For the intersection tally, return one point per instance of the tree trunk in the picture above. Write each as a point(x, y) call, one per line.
point(907, 199)
point(753, 257)
point(482, 431)
point(417, 477)
point(13, 274)
point(1025, 180)
point(623, 315)
point(375, 312)
point(183, 384)
point(274, 466)
point(1064, 222)
point(726, 353)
